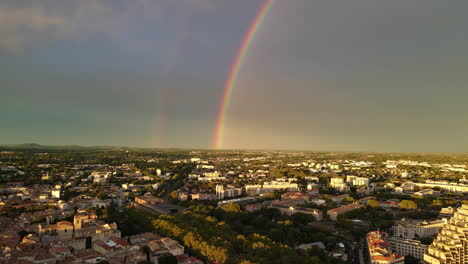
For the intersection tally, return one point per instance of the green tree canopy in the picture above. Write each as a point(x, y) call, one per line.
point(231, 207)
point(408, 204)
point(373, 203)
point(167, 258)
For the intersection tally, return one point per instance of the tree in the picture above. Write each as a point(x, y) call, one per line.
point(373, 203)
point(277, 234)
point(348, 200)
point(231, 207)
point(411, 260)
point(174, 195)
point(426, 240)
point(167, 258)
point(408, 204)
point(302, 219)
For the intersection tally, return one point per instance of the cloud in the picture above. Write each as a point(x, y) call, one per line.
point(53, 20)
point(16, 22)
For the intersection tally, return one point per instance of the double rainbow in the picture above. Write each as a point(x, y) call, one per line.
point(234, 73)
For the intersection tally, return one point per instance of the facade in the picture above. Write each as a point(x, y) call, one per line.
point(406, 187)
point(405, 246)
point(164, 245)
point(338, 183)
point(148, 200)
point(222, 193)
point(380, 249)
point(451, 245)
point(83, 233)
point(410, 228)
point(267, 187)
point(55, 193)
point(294, 209)
point(334, 213)
point(449, 186)
point(63, 230)
point(357, 181)
point(426, 193)
point(338, 198)
point(111, 247)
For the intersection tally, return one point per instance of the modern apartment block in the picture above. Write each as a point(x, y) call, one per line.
point(451, 245)
point(405, 246)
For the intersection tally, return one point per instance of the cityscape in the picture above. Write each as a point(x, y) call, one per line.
point(233, 132)
point(120, 205)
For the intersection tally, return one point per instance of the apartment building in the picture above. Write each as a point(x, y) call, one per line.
point(334, 213)
point(222, 193)
point(405, 246)
point(410, 228)
point(451, 244)
point(380, 251)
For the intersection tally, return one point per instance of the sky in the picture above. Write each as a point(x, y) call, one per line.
point(354, 75)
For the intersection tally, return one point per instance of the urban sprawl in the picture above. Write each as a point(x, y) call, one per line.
point(121, 205)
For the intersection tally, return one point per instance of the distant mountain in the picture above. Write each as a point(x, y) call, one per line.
point(34, 147)
point(25, 145)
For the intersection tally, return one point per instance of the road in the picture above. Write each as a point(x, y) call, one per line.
point(361, 255)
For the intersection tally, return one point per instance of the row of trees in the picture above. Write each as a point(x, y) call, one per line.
point(216, 241)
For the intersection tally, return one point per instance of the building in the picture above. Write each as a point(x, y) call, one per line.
point(298, 195)
point(339, 184)
point(290, 210)
point(338, 198)
point(411, 228)
point(445, 185)
point(111, 247)
point(63, 230)
point(212, 174)
point(447, 212)
point(277, 185)
point(203, 196)
point(334, 213)
point(406, 187)
point(388, 204)
point(55, 193)
point(272, 186)
point(222, 193)
point(405, 246)
point(83, 233)
point(252, 207)
point(380, 251)
point(426, 193)
point(451, 244)
point(357, 181)
point(240, 201)
point(164, 245)
point(148, 200)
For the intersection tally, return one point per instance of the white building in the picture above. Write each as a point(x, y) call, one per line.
point(338, 183)
point(213, 174)
point(222, 193)
point(405, 246)
point(55, 194)
point(410, 228)
point(451, 244)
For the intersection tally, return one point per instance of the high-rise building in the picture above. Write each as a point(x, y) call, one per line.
point(451, 245)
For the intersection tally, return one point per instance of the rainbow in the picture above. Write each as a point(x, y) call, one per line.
point(234, 72)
